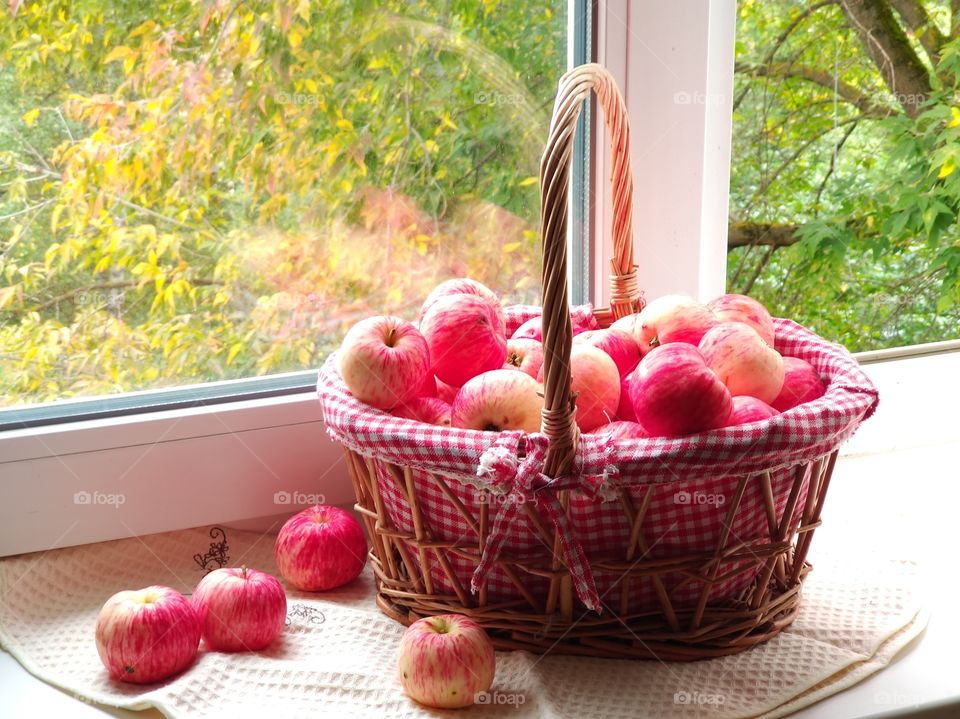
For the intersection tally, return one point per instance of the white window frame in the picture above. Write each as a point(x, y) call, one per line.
point(226, 463)
point(674, 63)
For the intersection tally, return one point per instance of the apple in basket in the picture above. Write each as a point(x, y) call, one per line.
point(320, 548)
point(621, 429)
point(499, 400)
point(446, 392)
point(625, 410)
point(741, 308)
point(595, 380)
point(445, 661)
point(383, 361)
point(462, 286)
point(748, 409)
point(147, 635)
point(671, 318)
point(674, 392)
point(620, 345)
point(431, 410)
point(466, 337)
point(524, 354)
point(743, 361)
point(240, 609)
point(429, 388)
point(533, 327)
point(801, 383)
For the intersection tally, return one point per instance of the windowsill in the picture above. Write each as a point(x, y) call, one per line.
point(880, 501)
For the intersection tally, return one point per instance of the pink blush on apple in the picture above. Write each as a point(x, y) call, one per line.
point(147, 635)
point(320, 548)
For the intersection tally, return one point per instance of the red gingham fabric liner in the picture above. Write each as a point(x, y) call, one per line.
point(709, 463)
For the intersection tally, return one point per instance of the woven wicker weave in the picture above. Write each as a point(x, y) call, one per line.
point(709, 583)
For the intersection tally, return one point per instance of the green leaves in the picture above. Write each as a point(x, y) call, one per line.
point(876, 206)
point(216, 189)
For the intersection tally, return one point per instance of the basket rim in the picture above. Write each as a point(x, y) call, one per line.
point(849, 399)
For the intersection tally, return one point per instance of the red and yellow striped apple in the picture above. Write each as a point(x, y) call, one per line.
point(621, 430)
point(619, 344)
point(147, 635)
point(532, 329)
point(741, 308)
point(240, 609)
point(498, 400)
point(463, 286)
point(671, 318)
point(524, 354)
point(465, 337)
point(748, 409)
point(320, 548)
point(743, 361)
point(674, 392)
point(801, 383)
point(595, 380)
point(445, 661)
point(431, 410)
point(383, 361)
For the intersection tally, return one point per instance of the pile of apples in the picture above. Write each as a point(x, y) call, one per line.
point(147, 635)
point(676, 368)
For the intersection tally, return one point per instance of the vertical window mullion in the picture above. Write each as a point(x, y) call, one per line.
point(579, 234)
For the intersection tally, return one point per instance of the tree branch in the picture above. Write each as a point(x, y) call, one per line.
point(853, 95)
point(888, 46)
point(833, 164)
point(915, 17)
point(154, 214)
point(792, 157)
point(746, 234)
point(31, 149)
point(782, 38)
point(761, 265)
point(38, 206)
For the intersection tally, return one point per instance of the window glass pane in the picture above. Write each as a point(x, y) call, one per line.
point(199, 191)
point(844, 189)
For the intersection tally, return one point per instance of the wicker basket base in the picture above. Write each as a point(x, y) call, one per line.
point(647, 636)
point(554, 622)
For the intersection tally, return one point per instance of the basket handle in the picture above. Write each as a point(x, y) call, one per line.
point(559, 410)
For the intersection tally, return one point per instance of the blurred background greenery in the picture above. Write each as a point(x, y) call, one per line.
point(193, 191)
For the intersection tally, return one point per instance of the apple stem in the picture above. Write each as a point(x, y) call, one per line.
point(243, 571)
point(391, 336)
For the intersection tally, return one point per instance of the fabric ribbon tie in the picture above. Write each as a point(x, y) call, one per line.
point(519, 481)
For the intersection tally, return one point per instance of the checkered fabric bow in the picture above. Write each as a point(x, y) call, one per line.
point(521, 481)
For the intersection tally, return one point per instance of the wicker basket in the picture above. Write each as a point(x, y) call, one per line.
point(678, 549)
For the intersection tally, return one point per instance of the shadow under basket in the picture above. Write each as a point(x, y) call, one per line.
point(670, 548)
